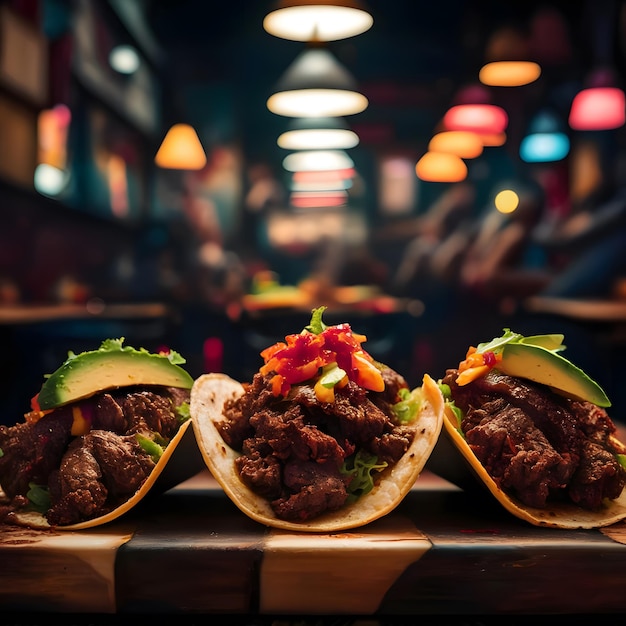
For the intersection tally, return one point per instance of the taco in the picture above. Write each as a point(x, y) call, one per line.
point(102, 429)
point(324, 438)
point(534, 428)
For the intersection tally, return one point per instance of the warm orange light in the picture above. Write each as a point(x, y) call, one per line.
point(463, 143)
point(480, 118)
point(52, 129)
point(118, 185)
point(509, 73)
point(491, 140)
point(506, 201)
point(441, 167)
point(181, 149)
point(598, 108)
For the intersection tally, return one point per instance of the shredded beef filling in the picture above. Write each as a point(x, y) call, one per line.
point(537, 445)
point(293, 449)
point(92, 474)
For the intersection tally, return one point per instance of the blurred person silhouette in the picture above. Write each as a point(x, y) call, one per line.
point(501, 258)
point(593, 241)
point(588, 244)
point(440, 233)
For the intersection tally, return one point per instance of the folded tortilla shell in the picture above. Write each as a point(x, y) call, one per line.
point(180, 460)
point(556, 515)
point(211, 391)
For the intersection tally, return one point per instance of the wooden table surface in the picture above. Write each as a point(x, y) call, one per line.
point(189, 551)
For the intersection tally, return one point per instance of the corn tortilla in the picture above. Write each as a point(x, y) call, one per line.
point(556, 514)
point(211, 391)
point(180, 460)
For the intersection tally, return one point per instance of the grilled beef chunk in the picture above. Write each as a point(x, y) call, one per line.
point(293, 449)
point(99, 471)
point(537, 445)
point(311, 488)
point(89, 475)
point(31, 451)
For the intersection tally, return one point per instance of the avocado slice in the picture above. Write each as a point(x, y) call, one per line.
point(549, 368)
point(549, 342)
point(110, 367)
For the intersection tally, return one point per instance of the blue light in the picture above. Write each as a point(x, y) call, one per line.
point(544, 147)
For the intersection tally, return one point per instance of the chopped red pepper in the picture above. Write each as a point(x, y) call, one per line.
point(301, 356)
point(489, 358)
point(34, 403)
point(476, 365)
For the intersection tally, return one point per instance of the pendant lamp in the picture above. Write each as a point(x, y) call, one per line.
point(313, 133)
point(441, 167)
point(487, 119)
point(507, 60)
point(472, 111)
point(325, 20)
point(545, 141)
point(317, 161)
point(331, 179)
point(322, 183)
point(318, 199)
point(509, 73)
point(463, 143)
point(316, 85)
point(181, 149)
point(600, 106)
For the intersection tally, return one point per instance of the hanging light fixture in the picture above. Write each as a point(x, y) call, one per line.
point(318, 199)
point(325, 20)
point(509, 73)
point(474, 112)
point(508, 63)
point(441, 167)
point(600, 106)
point(316, 85)
point(327, 179)
point(317, 161)
point(313, 133)
point(463, 143)
point(321, 183)
point(181, 149)
point(545, 141)
point(487, 119)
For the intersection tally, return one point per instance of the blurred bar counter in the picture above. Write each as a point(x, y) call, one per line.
point(36, 339)
point(30, 314)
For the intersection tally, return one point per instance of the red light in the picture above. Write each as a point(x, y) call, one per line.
point(320, 199)
point(326, 175)
point(479, 118)
point(598, 108)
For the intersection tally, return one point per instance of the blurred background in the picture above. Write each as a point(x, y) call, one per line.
point(456, 199)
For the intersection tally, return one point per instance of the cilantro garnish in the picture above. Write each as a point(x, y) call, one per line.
point(316, 325)
point(39, 497)
point(360, 467)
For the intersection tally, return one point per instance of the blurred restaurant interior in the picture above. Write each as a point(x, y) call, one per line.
point(424, 245)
